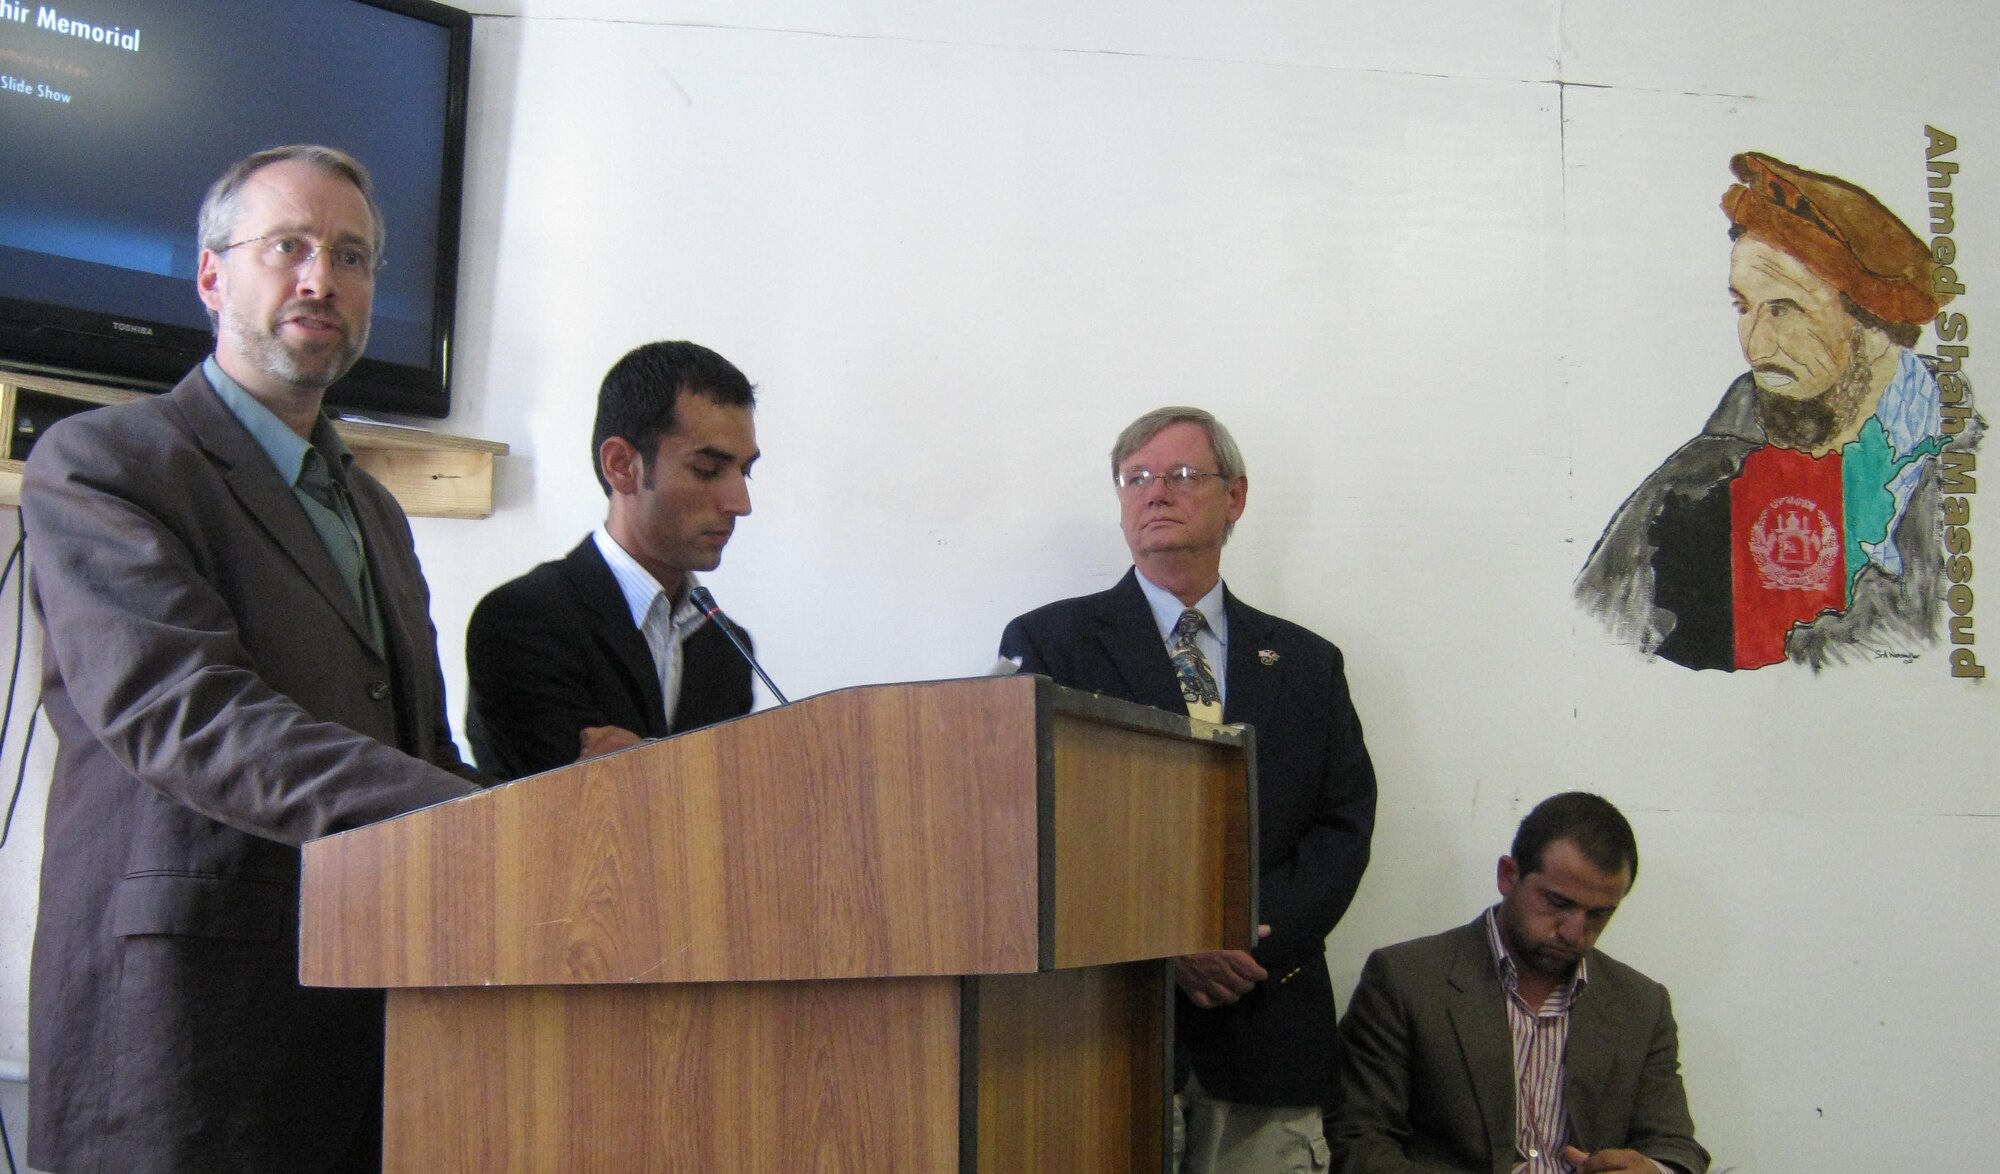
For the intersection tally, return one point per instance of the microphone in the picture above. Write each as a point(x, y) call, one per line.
point(706, 602)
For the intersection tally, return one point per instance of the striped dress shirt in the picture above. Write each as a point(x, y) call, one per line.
point(664, 624)
point(1541, 1037)
point(1541, 1122)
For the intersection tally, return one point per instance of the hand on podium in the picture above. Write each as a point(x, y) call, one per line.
point(599, 740)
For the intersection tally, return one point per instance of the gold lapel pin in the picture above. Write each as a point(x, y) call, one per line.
point(1268, 656)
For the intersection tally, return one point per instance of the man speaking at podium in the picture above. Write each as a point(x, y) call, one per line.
point(237, 657)
point(606, 647)
point(1257, 1027)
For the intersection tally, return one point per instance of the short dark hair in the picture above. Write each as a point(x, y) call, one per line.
point(636, 400)
point(1589, 821)
point(1903, 334)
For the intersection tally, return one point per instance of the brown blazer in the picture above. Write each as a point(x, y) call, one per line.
point(219, 702)
point(1428, 1064)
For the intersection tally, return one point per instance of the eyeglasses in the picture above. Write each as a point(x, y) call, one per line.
point(1179, 478)
point(284, 252)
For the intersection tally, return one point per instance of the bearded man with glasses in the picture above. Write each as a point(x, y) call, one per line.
point(238, 658)
point(1257, 1051)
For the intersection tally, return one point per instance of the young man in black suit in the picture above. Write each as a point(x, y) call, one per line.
point(1257, 1027)
point(604, 647)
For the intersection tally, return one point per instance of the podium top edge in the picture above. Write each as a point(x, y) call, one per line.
point(1144, 718)
point(1060, 699)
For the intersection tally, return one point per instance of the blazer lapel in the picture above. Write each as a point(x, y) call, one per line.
point(707, 660)
point(1251, 684)
point(376, 532)
point(1132, 641)
point(1594, 1021)
point(264, 495)
point(597, 589)
point(1479, 1019)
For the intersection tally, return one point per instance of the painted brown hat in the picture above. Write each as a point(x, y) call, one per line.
point(1840, 232)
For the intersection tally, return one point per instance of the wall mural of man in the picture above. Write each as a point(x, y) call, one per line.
point(1804, 522)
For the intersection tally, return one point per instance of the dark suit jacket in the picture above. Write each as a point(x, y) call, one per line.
point(1316, 811)
point(1429, 1064)
point(219, 701)
point(555, 650)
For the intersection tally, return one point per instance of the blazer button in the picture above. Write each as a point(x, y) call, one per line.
point(377, 690)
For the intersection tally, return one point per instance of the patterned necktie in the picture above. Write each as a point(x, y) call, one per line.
point(1197, 679)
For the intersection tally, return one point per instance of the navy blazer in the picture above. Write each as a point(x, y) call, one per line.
point(1316, 811)
point(555, 650)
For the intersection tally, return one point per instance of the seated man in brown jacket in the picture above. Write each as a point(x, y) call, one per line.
point(1512, 1043)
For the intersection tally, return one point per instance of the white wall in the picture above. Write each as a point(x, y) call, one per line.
point(1453, 271)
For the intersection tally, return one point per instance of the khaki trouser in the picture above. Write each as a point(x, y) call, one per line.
point(1218, 1137)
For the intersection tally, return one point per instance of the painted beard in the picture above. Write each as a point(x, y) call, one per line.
point(1811, 424)
point(315, 370)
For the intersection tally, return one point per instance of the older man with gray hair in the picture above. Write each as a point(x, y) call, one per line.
point(1259, 1055)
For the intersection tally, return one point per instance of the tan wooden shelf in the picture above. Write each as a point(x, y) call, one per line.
point(432, 474)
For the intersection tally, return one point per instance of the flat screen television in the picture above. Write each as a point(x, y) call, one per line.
point(116, 115)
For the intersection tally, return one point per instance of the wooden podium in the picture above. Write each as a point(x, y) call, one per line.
point(892, 928)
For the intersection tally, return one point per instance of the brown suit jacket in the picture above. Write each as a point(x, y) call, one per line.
point(219, 701)
point(1428, 1064)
